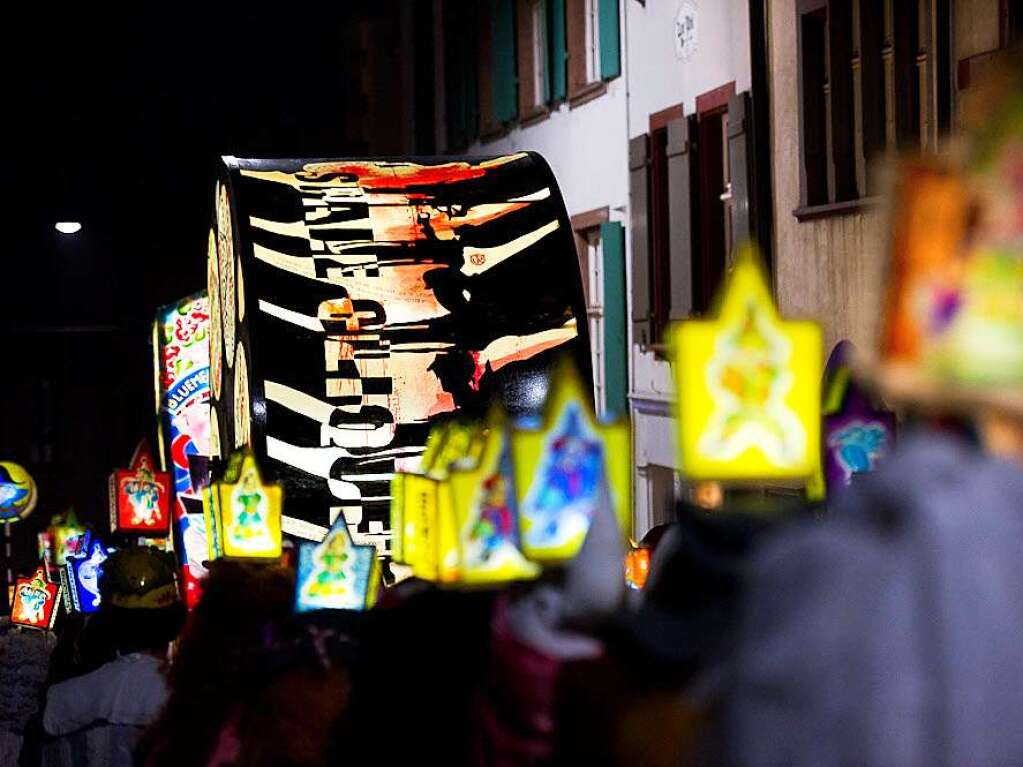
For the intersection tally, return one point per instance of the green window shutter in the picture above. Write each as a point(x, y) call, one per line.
point(558, 50)
point(545, 20)
point(616, 370)
point(610, 54)
point(505, 86)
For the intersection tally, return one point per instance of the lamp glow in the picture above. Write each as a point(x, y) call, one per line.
point(68, 227)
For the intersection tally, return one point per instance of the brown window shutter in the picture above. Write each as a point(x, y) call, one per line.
point(639, 171)
point(680, 218)
point(575, 20)
point(739, 166)
point(524, 33)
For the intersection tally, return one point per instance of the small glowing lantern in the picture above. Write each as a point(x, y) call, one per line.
point(35, 601)
point(67, 536)
point(748, 385)
point(637, 567)
point(140, 497)
point(856, 434)
point(336, 574)
point(560, 471)
point(486, 513)
point(18, 494)
point(83, 573)
point(243, 515)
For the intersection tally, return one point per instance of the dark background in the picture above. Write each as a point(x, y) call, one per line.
point(116, 118)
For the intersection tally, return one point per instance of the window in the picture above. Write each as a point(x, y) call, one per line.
point(591, 41)
point(593, 46)
point(533, 54)
point(873, 76)
point(601, 248)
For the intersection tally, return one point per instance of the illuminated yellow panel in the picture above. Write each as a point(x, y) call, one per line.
point(485, 511)
point(748, 385)
point(249, 511)
point(561, 469)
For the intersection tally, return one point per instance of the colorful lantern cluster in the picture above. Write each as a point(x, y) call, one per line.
point(243, 515)
point(492, 503)
point(35, 601)
point(65, 536)
point(748, 386)
point(140, 497)
point(18, 494)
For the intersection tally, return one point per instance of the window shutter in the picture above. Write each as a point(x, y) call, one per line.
point(503, 58)
point(680, 218)
point(610, 56)
point(639, 170)
point(616, 386)
point(558, 50)
point(739, 166)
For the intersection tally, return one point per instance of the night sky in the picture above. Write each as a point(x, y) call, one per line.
point(115, 117)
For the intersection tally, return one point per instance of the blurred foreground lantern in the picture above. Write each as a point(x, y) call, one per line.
point(140, 497)
point(336, 574)
point(423, 510)
point(18, 493)
point(83, 573)
point(748, 386)
point(856, 433)
point(243, 515)
point(35, 601)
point(486, 513)
point(561, 470)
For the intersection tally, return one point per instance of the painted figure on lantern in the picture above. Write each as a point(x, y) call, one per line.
point(35, 601)
point(17, 492)
point(12, 493)
point(143, 493)
point(87, 572)
point(495, 523)
point(562, 502)
point(249, 529)
point(858, 447)
point(336, 574)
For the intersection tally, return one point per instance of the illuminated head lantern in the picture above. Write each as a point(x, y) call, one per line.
point(243, 515)
point(18, 494)
point(561, 468)
point(140, 497)
point(35, 601)
point(67, 536)
point(336, 574)
point(83, 573)
point(748, 385)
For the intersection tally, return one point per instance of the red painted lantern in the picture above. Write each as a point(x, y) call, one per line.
point(140, 497)
point(35, 601)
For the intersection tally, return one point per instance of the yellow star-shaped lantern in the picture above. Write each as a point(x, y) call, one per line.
point(243, 515)
point(486, 515)
point(748, 386)
point(560, 470)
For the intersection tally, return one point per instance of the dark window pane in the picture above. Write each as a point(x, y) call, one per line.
point(812, 64)
point(905, 39)
point(843, 122)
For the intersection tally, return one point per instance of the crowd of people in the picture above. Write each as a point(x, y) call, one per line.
point(882, 631)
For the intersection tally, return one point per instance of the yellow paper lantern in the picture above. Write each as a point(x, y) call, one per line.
point(748, 385)
point(486, 514)
point(243, 515)
point(561, 468)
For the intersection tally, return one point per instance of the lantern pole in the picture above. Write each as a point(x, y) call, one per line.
point(9, 577)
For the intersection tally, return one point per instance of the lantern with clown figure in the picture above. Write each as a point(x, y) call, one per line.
point(140, 497)
point(35, 601)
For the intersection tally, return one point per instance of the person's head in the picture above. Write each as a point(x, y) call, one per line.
point(141, 607)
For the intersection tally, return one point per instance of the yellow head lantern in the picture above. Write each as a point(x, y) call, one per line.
point(748, 385)
point(243, 515)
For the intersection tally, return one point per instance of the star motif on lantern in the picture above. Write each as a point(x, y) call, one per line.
point(748, 386)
